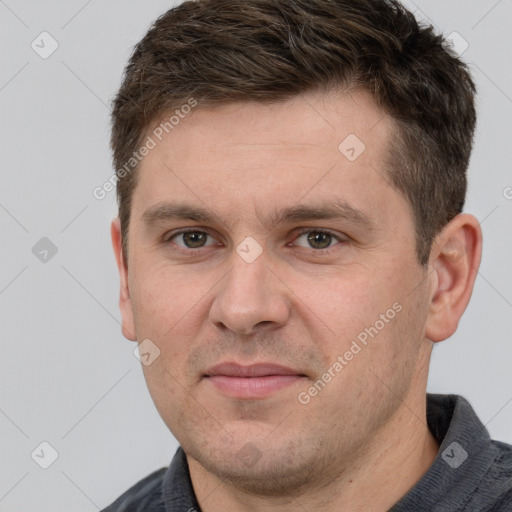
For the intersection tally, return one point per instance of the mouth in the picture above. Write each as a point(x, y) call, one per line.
point(255, 381)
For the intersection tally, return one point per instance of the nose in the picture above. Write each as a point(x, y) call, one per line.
point(250, 298)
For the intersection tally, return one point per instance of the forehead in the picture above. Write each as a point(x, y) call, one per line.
point(309, 123)
point(243, 156)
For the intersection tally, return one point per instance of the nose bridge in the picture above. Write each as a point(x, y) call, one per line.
point(249, 296)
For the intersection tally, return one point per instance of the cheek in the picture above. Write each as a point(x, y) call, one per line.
point(164, 297)
point(166, 389)
point(366, 318)
point(169, 310)
point(343, 303)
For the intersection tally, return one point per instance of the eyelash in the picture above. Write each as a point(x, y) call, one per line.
point(325, 251)
point(167, 239)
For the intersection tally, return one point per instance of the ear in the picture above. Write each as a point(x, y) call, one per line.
point(454, 260)
point(125, 303)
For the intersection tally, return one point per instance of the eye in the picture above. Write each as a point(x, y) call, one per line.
point(317, 239)
point(192, 239)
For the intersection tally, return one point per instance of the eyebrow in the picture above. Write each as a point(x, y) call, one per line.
point(339, 209)
point(167, 211)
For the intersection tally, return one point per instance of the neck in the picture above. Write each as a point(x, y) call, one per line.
point(376, 478)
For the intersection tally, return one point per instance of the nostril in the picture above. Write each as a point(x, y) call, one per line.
point(264, 322)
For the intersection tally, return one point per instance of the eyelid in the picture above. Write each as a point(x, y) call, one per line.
point(168, 237)
point(337, 236)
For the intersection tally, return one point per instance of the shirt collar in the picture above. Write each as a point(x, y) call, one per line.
point(465, 456)
point(177, 487)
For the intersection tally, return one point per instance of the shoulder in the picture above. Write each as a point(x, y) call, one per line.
point(144, 496)
point(499, 478)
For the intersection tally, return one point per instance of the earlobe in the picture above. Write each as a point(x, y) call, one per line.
point(454, 260)
point(125, 303)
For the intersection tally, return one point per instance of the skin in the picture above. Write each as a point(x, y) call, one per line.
point(361, 442)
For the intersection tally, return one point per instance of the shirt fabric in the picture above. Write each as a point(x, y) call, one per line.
point(471, 472)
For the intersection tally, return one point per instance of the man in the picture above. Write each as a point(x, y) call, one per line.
point(291, 177)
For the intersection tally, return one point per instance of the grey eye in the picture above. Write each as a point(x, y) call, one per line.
point(316, 239)
point(191, 239)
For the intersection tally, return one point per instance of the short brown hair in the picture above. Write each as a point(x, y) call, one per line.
point(221, 51)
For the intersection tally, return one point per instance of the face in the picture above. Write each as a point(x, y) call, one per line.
point(274, 268)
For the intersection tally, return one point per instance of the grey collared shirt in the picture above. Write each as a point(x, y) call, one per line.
point(471, 473)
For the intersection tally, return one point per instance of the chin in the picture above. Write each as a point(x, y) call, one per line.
point(266, 471)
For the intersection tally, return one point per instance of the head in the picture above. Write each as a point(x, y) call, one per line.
point(316, 153)
point(213, 53)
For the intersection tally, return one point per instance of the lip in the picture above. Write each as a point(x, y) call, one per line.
point(251, 382)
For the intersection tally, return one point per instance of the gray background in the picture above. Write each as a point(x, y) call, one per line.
point(68, 377)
